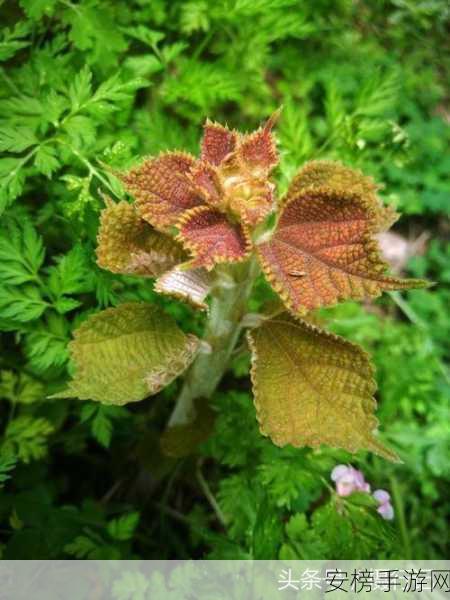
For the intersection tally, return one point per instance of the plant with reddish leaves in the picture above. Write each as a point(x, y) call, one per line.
point(204, 228)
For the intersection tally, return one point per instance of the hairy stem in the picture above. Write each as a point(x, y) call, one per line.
point(223, 328)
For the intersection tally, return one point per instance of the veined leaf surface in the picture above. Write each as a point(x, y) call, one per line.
point(161, 188)
point(127, 353)
point(324, 251)
point(340, 178)
point(184, 283)
point(218, 141)
point(312, 387)
point(129, 245)
point(211, 238)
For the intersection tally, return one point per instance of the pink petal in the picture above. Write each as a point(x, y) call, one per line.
point(348, 478)
point(339, 471)
point(381, 496)
point(386, 511)
point(360, 482)
point(345, 488)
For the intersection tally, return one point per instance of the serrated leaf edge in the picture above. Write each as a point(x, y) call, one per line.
point(192, 247)
point(379, 449)
point(369, 242)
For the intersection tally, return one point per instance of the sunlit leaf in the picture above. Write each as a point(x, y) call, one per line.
point(127, 353)
point(312, 387)
point(26, 437)
point(21, 252)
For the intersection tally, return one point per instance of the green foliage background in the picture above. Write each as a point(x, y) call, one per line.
point(85, 88)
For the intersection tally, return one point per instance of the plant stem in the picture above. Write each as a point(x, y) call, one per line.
point(223, 328)
point(407, 310)
point(209, 495)
point(400, 511)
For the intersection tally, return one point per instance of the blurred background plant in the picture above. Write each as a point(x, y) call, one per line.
point(85, 88)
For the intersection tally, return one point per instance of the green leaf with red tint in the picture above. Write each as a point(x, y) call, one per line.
point(129, 245)
point(312, 387)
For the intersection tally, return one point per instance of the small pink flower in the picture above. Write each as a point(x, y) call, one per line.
point(385, 508)
point(348, 480)
point(345, 487)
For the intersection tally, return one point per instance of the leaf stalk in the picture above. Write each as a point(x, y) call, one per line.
point(222, 331)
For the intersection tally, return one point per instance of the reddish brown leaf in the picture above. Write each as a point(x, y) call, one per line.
point(218, 141)
point(323, 251)
point(342, 179)
point(162, 189)
point(206, 181)
point(257, 151)
point(211, 238)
